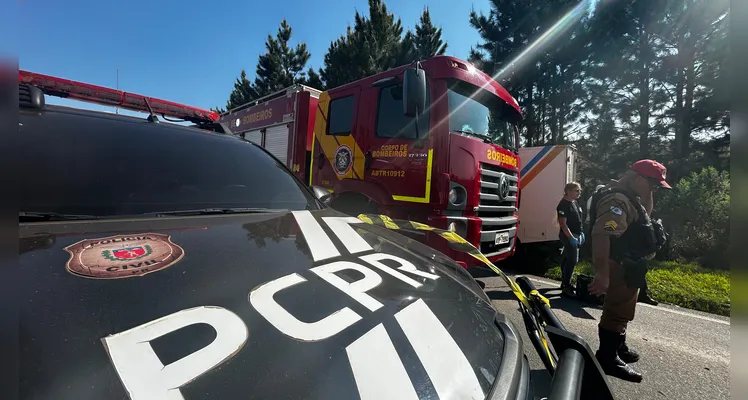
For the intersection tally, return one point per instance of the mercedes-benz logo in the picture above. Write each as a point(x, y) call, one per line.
point(503, 187)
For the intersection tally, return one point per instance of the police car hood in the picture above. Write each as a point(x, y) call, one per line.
point(285, 306)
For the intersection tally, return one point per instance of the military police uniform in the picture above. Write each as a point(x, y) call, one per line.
point(619, 216)
point(615, 213)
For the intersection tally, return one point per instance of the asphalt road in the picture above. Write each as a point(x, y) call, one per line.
point(685, 354)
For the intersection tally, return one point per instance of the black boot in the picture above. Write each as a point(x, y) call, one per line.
point(627, 355)
point(645, 298)
point(611, 363)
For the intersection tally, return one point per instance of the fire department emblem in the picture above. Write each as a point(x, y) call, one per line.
point(343, 160)
point(122, 256)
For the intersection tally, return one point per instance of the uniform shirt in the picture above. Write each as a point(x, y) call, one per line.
point(614, 214)
point(573, 214)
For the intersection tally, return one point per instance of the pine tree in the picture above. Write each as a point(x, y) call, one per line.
point(695, 72)
point(373, 45)
point(244, 92)
point(427, 41)
point(312, 79)
point(546, 81)
point(281, 66)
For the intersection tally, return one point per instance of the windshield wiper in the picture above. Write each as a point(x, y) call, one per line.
point(29, 216)
point(485, 137)
point(213, 211)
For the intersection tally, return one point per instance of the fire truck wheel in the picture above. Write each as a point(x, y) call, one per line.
point(354, 204)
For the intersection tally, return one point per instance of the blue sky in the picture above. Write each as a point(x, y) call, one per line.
point(187, 51)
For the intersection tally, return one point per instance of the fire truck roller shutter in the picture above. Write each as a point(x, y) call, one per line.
point(276, 141)
point(254, 137)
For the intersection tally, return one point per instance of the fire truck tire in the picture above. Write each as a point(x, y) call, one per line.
point(354, 204)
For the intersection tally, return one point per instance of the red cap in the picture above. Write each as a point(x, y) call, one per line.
point(653, 170)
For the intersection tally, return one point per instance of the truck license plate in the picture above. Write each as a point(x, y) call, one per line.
point(502, 238)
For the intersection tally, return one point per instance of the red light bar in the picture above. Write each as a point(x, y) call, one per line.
point(101, 95)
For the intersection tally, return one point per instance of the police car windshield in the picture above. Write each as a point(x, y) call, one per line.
point(473, 110)
point(87, 165)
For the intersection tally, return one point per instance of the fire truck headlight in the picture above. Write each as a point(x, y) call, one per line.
point(457, 196)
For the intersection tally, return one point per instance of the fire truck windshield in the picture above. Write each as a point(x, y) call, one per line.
point(476, 111)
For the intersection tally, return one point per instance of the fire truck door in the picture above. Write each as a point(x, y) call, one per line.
point(335, 154)
point(400, 152)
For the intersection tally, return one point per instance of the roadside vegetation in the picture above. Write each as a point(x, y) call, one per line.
point(684, 285)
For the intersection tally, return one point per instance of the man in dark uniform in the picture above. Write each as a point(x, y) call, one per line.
point(623, 239)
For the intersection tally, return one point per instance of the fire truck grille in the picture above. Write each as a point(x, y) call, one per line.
point(498, 229)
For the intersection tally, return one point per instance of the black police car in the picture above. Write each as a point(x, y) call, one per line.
point(162, 261)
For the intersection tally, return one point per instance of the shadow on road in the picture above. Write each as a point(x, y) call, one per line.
point(571, 305)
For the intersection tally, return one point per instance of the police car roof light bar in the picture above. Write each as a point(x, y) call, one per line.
point(66, 88)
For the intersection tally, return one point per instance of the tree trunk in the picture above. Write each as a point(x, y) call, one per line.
point(531, 123)
point(688, 105)
point(553, 104)
point(644, 92)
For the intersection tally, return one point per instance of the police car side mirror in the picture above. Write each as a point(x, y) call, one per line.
point(322, 194)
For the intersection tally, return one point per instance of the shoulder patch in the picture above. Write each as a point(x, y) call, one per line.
point(616, 210)
point(611, 226)
point(122, 256)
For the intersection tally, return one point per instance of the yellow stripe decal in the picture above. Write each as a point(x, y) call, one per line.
point(427, 196)
point(311, 162)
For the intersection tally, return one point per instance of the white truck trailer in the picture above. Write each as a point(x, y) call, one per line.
point(544, 170)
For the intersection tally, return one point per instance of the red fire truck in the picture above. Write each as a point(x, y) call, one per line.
point(435, 142)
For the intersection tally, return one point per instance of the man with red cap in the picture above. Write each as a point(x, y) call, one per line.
point(623, 239)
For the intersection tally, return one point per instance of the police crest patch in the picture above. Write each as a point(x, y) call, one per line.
point(122, 256)
point(615, 210)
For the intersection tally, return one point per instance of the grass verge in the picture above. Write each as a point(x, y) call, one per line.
point(685, 285)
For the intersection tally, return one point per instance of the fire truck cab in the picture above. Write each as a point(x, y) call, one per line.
point(435, 142)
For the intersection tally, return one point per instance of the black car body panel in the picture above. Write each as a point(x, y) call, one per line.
point(66, 316)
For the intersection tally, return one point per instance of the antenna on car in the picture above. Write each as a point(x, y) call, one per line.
point(152, 117)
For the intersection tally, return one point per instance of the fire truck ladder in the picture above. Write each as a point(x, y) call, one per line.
point(33, 86)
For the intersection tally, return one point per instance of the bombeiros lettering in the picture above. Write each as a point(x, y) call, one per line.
point(145, 377)
point(258, 116)
point(498, 156)
point(391, 151)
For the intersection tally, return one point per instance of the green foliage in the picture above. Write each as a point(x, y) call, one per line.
point(376, 44)
point(685, 285)
point(313, 79)
point(373, 45)
point(427, 40)
point(697, 217)
point(281, 66)
point(544, 73)
point(244, 92)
